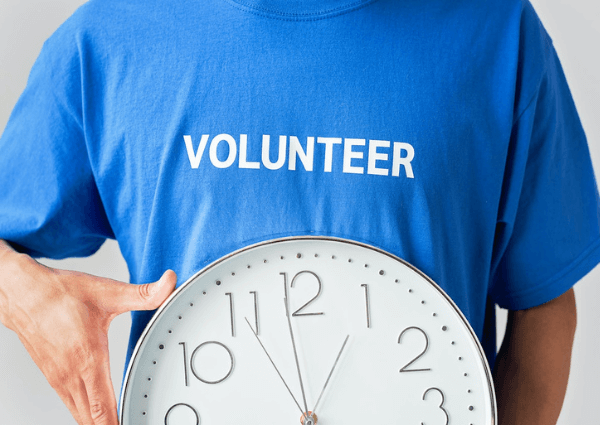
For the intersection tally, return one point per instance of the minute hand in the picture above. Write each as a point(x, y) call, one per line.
point(287, 314)
point(331, 373)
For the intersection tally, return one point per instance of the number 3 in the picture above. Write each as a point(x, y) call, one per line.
point(441, 404)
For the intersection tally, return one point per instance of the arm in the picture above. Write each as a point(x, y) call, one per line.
point(532, 369)
point(62, 319)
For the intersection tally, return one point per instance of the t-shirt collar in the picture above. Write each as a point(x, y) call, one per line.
point(301, 9)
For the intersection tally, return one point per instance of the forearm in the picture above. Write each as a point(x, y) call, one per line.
point(12, 284)
point(6, 254)
point(532, 369)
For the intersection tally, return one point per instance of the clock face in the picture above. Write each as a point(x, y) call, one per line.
point(343, 331)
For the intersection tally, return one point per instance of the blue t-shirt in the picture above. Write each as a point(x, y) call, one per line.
point(440, 131)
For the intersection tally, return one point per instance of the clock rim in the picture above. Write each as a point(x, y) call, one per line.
point(208, 267)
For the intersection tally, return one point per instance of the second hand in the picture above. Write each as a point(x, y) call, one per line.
point(273, 363)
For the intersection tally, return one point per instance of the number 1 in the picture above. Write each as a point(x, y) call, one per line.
point(185, 368)
point(364, 285)
point(255, 310)
point(231, 312)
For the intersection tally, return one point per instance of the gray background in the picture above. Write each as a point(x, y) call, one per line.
point(26, 397)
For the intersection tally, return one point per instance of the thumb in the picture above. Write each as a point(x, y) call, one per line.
point(148, 296)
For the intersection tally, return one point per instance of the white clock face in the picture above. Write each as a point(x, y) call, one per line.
point(344, 331)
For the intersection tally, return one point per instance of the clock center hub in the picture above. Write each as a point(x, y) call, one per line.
point(310, 419)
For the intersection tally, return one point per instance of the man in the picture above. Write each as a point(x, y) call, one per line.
point(444, 134)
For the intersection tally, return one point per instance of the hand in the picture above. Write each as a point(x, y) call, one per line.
point(62, 318)
point(331, 372)
point(273, 363)
point(306, 413)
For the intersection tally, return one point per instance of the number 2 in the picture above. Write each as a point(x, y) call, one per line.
point(404, 369)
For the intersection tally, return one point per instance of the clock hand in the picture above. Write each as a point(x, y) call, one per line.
point(273, 363)
point(331, 372)
point(287, 314)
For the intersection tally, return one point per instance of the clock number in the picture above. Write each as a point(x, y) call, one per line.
point(404, 369)
point(194, 369)
point(185, 368)
point(364, 285)
point(231, 312)
point(255, 311)
point(185, 405)
point(441, 406)
point(297, 312)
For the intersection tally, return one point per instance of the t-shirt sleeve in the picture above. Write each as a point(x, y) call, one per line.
point(49, 202)
point(548, 233)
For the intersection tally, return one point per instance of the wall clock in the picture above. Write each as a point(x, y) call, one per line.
point(308, 330)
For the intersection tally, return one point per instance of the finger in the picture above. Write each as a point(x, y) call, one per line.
point(58, 387)
point(126, 297)
point(80, 398)
point(68, 401)
point(100, 393)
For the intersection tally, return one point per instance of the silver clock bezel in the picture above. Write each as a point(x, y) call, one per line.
point(210, 266)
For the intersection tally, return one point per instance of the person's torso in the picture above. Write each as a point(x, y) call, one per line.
point(212, 126)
